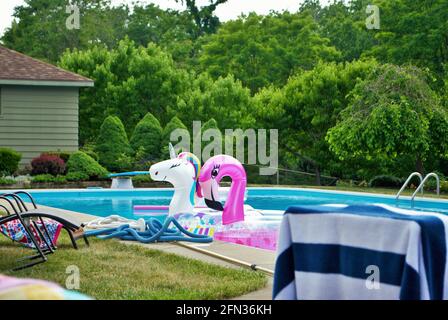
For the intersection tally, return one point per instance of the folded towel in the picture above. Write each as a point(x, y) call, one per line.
point(361, 252)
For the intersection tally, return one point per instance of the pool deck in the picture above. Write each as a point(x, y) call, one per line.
point(218, 252)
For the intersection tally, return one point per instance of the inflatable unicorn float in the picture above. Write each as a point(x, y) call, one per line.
point(196, 202)
point(195, 186)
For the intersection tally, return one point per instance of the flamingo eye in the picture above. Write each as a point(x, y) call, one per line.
point(215, 171)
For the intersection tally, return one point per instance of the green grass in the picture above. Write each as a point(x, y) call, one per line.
point(113, 270)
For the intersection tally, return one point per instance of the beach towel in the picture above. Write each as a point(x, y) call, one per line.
point(361, 252)
point(16, 232)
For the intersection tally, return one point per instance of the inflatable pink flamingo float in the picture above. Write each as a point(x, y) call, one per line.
point(211, 174)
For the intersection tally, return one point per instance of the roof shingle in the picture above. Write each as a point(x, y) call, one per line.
point(17, 66)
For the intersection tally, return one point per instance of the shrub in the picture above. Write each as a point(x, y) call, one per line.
point(174, 124)
point(142, 178)
point(147, 137)
point(82, 164)
point(6, 182)
point(64, 155)
point(47, 164)
point(385, 181)
point(76, 176)
point(89, 148)
point(9, 161)
point(43, 178)
point(112, 143)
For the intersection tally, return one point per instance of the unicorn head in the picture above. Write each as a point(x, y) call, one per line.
point(182, 172)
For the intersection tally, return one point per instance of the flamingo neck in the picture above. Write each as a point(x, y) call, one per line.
point(234, 207)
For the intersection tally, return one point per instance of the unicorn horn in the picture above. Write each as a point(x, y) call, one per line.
point(173, 154)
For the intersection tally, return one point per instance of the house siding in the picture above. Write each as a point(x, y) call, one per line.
point(38, 119)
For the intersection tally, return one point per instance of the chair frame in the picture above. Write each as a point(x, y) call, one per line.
point(27, 217)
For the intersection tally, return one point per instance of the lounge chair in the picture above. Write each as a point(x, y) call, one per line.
point(33, 219)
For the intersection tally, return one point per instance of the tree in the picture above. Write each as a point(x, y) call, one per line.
point(174, 124)
point(147, 135)
point(205, 19)
point(344, 24)
point(392, 114)
point(130, 81)
point(414, 32)
point(307, 107)
point(225, 99)
point(262, 50)
point(113, 145)
point(39, 28)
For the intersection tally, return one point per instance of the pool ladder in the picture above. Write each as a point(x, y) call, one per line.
point(420, 186)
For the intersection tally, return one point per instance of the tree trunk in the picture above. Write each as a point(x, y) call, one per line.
point(317, 171)
point(419, 165)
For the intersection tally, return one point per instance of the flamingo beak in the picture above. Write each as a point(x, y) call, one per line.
point(211, 195)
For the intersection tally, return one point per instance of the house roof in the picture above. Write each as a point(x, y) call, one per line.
point(19, 69)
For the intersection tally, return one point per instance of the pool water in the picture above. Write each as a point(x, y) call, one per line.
point(261, 232)
point(104, 202)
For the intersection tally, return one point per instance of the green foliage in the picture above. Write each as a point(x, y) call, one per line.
point(225, 99)
point(39, 28)
point(9, 161)
point(48, 178)
point(385, 181)
point(392, 113)
point(77, 176)
point(130, 81)
point(174, 124)
point(307, 107)
point(6, 181)
point(413, 32)
point(147, 137)
point(263, 50)
point(112, 145)
point(80, 165)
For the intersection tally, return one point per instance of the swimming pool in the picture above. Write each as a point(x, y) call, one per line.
point(104, 202)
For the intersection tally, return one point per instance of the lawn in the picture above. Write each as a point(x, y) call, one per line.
point(112, 270)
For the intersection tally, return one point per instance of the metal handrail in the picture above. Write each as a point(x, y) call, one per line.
point(429, 175)
point(413, 174)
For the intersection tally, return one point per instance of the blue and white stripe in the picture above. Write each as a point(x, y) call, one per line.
point(324, 252)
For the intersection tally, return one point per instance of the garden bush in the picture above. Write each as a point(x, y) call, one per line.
point(147, 137)
point(175, 123)
point(82, 164)
point(6, 181)
point(43, 178)
point(9, 161)
point(64, 155)
point(77, 176)
point(385, 181)
point(47, 164)
point(112, 144)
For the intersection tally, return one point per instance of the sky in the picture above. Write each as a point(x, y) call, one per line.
point(227, 11)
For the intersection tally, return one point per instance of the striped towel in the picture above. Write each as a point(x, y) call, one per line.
point(361, 252)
